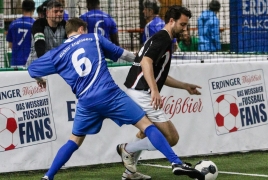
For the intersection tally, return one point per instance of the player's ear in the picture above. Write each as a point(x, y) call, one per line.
point(81, 30)
point(172, 22)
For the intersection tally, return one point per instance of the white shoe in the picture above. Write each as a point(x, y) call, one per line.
point(136, 175)
point(127, 158)
point(44, 178)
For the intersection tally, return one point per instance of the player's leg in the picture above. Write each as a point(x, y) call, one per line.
point(168, 129)
point(143, 99)
point(63, 155)
point(128, 112)
point(159, 142)
point(86, 121)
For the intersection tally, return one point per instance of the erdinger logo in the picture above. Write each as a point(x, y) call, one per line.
point(8, 129)
point(31, 90)
point(226, 114)
point(239, 101)
point(26, 117)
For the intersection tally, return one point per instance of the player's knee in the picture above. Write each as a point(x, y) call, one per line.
point(140, 135)
point(77, 139)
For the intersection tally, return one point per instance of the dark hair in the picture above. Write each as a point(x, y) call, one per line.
point(152, 4)
point(73, 24)
point(28, 5)
point(214, 5)
point(53, 3)
point(92, 4)
point(39, 9)
point(175, 12)
point(43, 7)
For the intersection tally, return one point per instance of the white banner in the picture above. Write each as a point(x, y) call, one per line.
point(229, 116)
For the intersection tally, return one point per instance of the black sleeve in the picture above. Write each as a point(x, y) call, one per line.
point(40, 48)
point(157, 45)
point(39, 37)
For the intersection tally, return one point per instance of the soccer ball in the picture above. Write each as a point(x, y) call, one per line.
point(226, 114)
point(208, 168)
point(8, 129)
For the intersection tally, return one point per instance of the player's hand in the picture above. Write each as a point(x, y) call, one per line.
point(192, 89)
point(156, 101)
point(41, 82)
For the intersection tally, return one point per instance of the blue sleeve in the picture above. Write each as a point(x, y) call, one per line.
point(215, 32)
point(110, 50)
point(113, 27)
point(42, 66)
point(82, 17)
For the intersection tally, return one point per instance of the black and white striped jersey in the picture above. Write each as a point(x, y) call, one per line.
point(159, 49)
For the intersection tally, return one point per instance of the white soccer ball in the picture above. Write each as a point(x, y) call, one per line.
point(208, 168)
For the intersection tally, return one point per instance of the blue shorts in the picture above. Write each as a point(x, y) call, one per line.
point(121, 110)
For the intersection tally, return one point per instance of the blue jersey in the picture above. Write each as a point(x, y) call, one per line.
point(208, 32)
point(65, 15)
point(152, 27)
point(99, 22)
point(19, 34)
point(80, 61)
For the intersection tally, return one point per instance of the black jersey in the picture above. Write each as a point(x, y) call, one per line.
point(51, 36)
point(158, 48)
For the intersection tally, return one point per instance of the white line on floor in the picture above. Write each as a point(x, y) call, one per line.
point(221, 172)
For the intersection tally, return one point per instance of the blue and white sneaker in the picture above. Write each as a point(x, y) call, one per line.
point(45, 178)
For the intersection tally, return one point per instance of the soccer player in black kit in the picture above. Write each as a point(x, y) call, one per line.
point(146, 77)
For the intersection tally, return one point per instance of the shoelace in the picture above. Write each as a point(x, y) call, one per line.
point(185, 165)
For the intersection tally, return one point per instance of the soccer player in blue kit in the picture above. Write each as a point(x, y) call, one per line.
point(80, 61)
point(100, 22)
point(19, 35)
point(154, 22)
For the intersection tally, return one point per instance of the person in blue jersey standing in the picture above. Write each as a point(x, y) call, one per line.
point(146, 77)
point(19, 35)
point(209, 28)
point(80, 61)
point(154, 24)
point(100, 22)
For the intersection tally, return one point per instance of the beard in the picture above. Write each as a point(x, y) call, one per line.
point(176, 34)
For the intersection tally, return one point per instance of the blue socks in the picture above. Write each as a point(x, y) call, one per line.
point(63, 155)
point(160, 143)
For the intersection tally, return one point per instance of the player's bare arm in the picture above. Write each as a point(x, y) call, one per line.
point(148, 72)
point(10, 45)
point(191, 88)
point(41, 82)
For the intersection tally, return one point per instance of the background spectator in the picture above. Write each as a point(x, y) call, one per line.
point(65, 12)
point(19, 34)
point(209, 28)
point(40, 12)
point(48, 32)
point(188, 42)
point(154, 22)
point(100, 22)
